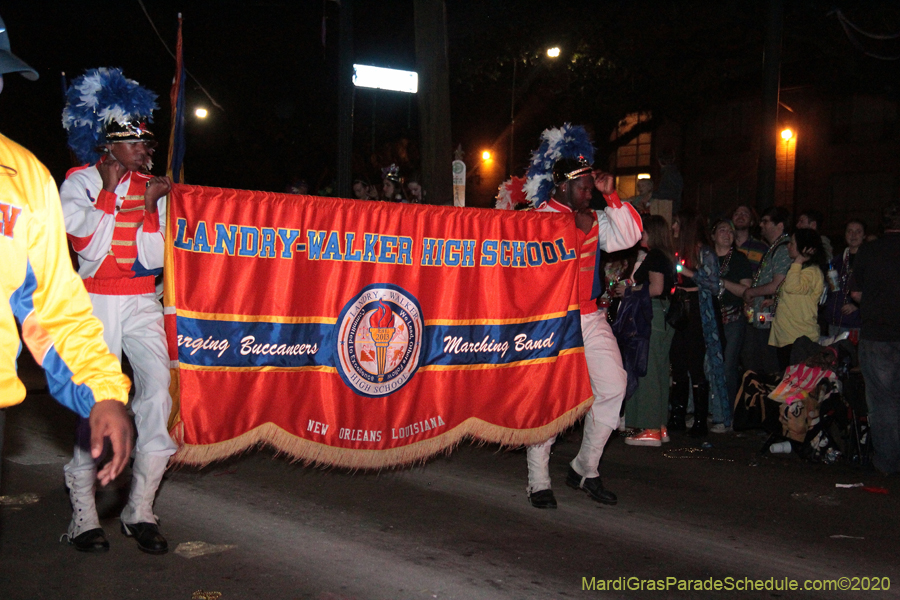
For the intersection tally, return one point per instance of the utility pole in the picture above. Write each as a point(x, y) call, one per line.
point(434, 99)
point(765, 181)
point(512, 122)
point(345, 99)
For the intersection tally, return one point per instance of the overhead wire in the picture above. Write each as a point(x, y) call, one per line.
point(172, 54)
point(846, 25)
point(874, 36)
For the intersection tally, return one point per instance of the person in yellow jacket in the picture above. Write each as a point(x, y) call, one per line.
point(42, 292)
point(797, 309)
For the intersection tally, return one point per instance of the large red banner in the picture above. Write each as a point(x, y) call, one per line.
point(367, 334)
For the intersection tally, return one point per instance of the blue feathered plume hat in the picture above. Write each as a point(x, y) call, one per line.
point(565, 153)
point(103, 106)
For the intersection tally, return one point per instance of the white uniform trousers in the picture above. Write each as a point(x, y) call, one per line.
point(608, 381)
point(135, 324)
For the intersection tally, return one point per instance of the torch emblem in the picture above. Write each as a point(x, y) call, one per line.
point(381, 328)
point(378, 341)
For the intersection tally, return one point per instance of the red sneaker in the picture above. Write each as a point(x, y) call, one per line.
point(645, 437)
point(664, 435)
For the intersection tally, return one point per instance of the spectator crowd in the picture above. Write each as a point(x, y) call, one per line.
point(744, 297)
point(728, 298)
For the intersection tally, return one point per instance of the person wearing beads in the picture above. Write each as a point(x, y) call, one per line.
point(737, 275)
point(756, 354)
point(744, 219)
point(840, 310)
point(696, 353)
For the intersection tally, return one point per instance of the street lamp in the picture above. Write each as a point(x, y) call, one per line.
point(201, 113)
point(486, 155)
point(381, 78)
point(785, 162)
point(551, 53)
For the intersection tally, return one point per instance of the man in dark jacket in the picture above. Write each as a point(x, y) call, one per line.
point(876, 286)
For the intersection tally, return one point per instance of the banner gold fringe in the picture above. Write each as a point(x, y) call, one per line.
point(314, 453)
point(175, 394)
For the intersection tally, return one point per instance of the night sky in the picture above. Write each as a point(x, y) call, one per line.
point(265, 63)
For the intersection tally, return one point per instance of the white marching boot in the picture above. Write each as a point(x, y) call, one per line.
point(138, 520)
point(84, 531)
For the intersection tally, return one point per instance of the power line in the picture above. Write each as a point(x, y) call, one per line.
point(846, 25)
point(874, 36)
point(172, 54)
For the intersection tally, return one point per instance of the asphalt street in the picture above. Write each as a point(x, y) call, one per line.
point(458, 526)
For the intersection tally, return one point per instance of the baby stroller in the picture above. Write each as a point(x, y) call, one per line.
point(817, 406)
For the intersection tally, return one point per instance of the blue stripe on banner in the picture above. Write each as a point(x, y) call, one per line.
point(240, 344)
point(211, 343)
point(501, 344)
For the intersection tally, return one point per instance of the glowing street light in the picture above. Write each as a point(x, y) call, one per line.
point(553, 52)
point(201, 113)
point(486, 155)
point(385, 79)
point(786, 134)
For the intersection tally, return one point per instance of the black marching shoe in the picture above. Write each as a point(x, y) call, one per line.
point(148, 537)
point(93, 540)
point(593, 486)
point(542, 499)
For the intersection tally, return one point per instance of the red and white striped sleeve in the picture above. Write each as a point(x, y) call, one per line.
point(89, 213)
point(620, 225)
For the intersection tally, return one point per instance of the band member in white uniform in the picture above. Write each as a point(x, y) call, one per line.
point(561, 179)
point(114, 211)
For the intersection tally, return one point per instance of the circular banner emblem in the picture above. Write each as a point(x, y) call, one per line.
point(379, 340)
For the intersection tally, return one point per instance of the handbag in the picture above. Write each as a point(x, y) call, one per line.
point(632, 329)
point(753, 409)
point(679, 312)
